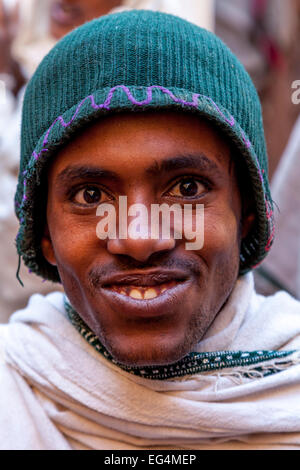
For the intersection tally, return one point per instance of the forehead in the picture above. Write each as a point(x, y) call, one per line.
point(132, 142)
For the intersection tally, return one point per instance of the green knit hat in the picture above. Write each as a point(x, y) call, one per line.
point(135, 61)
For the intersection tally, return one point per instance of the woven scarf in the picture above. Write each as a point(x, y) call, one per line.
point(193, 363)
point(238, 389)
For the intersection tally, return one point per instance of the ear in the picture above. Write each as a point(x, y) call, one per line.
point(248, 216)
point(247, 223)
point(47, 247)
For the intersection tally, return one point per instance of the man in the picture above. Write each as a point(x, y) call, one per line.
point(158, 342)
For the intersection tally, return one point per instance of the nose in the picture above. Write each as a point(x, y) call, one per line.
point(139, 233)
point(139, 249)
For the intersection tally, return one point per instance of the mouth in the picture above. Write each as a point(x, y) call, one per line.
point(143, 292)
point(151, 294)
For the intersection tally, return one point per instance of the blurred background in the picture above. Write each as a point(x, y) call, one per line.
point(264, 34)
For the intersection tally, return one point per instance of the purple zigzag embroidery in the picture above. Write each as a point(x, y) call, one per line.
point(230, 121)
point(106, 105)
point(246, 141)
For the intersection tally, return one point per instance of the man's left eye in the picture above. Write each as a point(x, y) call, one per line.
point(189, 187)
point(90, 195)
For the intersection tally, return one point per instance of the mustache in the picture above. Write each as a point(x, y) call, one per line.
point(126, 263)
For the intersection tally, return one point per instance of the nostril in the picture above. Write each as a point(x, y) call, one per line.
point(140, 249)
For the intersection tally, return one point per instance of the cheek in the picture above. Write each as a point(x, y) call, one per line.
point(221, 234)
point(75, 242)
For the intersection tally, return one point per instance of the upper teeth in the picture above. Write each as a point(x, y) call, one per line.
point(143, 293)
point(151, 293)
point(136, 294)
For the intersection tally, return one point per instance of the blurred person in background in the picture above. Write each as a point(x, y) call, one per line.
point(282, 268)
point(265, 35)
point(28, 30)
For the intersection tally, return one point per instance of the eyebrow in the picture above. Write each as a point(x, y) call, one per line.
point(75, 172)
point(196, 161)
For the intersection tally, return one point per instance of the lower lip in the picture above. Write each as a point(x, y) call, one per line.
point(162, 305)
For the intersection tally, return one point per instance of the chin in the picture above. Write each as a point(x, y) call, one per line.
point(142, 355)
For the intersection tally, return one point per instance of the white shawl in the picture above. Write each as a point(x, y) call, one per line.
point(58, 392)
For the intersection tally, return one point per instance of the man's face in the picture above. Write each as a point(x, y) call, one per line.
point(148, 300)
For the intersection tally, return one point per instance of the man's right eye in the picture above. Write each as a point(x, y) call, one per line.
point(90, 195)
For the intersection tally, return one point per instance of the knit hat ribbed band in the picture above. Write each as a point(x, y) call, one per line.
point(137, 61)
